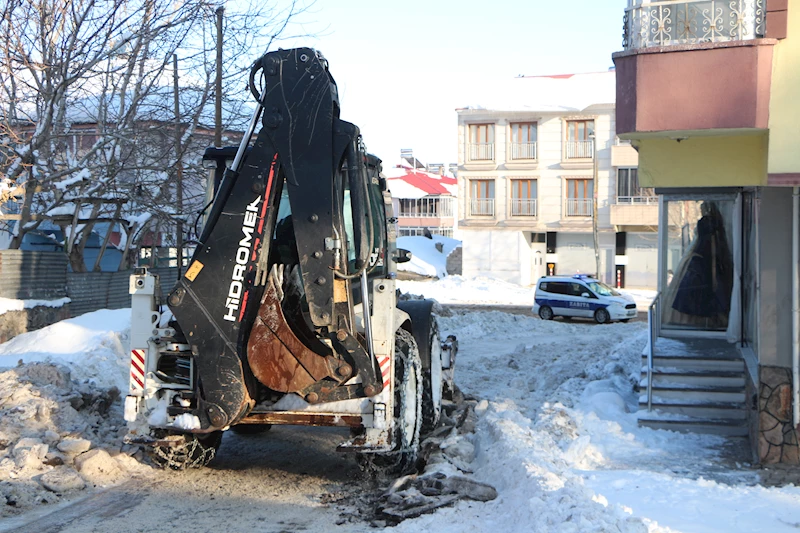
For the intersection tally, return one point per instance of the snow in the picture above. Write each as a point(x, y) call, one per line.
point(426, 259)
point(8, 304)
point(93, 346)
point(548, 93)
point(556, 431)
point(470, 291)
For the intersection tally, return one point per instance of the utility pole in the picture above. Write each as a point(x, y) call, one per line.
point(178, 166)
point(593, 137)
point(218, 83)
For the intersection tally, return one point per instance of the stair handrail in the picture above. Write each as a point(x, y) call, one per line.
point(654, 327)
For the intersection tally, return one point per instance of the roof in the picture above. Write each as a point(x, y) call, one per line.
point(405, 182)
point(556, 93)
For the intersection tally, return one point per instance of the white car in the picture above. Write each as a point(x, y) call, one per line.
point(581, 296)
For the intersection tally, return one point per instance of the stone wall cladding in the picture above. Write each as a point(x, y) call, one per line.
point(777, 438)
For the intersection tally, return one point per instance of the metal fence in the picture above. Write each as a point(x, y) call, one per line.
point(27, 275)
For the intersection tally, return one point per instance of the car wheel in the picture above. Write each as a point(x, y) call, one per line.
point(602, 316)
point(545, 313)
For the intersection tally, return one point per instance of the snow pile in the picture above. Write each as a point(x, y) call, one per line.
point(475, 291)
point(9, 304)
point(428, 256)
point(61, 424)
point(57, 436)
point(93, 346)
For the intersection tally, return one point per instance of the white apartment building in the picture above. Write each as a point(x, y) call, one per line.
point(529, 158)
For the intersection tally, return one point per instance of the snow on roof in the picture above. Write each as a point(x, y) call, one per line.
point(405, 182)
point(556, 93)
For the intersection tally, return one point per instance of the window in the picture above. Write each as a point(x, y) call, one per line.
point(523, 197)
point(629, 191)
point(579, 197)
point(580, 143)
point(523, 140)
point(428, 207)
point(481, 142)
point(481, 197)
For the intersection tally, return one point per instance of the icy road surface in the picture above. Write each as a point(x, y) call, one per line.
point(556, 435)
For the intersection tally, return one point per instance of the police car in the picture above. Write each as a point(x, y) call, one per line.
point(581, 296)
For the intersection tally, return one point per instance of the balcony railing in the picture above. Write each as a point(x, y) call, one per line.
point(581, 207)
point(481, 207)
point(523, 207)
point(691, 22)
point(580, 149)
point(481, 151)
point(426, 207)
point(637, 200)
point(523, 150)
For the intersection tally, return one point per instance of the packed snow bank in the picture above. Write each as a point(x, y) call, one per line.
point(426, 257)
point(9, 304)
point(61, 424)
point(93, 346)
point(557, 436)
point(461, 290)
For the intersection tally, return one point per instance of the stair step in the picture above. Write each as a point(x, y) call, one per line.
point(699, 348)
point(710, 426)
point(695, 363)
point(702, 393)
point(700, 409)
point(663, 376)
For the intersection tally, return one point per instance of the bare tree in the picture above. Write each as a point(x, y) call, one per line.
point(87, 125)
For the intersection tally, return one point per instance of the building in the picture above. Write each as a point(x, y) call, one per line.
point(424, 198)
point(708, 97)
point(534, 158)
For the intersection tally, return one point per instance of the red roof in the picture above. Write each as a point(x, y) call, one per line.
point(428, 183)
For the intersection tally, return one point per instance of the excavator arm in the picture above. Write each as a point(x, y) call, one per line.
point(229, 305)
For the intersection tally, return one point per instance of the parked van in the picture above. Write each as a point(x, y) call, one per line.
point(581, 296)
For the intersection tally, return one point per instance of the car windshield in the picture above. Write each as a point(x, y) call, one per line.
point(602, 289)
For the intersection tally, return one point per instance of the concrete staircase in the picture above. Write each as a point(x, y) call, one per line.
point(698, 386)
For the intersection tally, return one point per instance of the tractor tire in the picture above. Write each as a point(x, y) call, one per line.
point(432, 382)
point(190, 450)
point(402, 459)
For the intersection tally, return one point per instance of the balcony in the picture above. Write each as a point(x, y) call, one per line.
point(426, 207)
point(523, 151)
point(635, 211)
point(483, 207)
point(668, 23)
point(481, 151)
point(579, 150)
point(523, 207)
point(581, 207)
point(692, 65)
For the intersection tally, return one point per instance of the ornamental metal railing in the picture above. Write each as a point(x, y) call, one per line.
point(637, 200)
point(692, 22)
point(481, 207)
point(581, 207)
point(426, 207)
point(523, 150)
point(580, 149)
point(523, 207)
point(481, 151)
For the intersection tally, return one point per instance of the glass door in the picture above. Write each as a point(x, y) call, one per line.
point(698, 264)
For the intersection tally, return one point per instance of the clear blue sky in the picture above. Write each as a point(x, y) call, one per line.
point(403, 67)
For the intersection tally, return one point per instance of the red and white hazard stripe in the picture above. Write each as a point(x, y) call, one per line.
point(137, 370)
point(386, 370)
